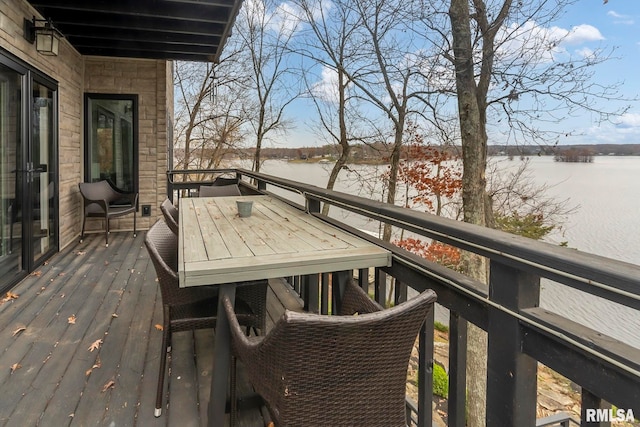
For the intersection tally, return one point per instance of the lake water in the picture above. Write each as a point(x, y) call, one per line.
point(606, 222)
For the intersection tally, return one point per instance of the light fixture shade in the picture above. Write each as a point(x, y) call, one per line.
point(44, 34)
point(47, 40)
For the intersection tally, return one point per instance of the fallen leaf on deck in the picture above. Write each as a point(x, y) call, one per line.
point(37, 273)
point(114, 315)
point(96, 365)
point(17, 331)
point(15, 367)
point(108, 385)
point(81, 252)
point(159, 327)
point(8, 297)
point(72, 319)
point(95, 345)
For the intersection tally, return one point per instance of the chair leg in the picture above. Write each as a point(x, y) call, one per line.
point(134, 223)
point(106, 233)
point(166, 339)
point(82, 232)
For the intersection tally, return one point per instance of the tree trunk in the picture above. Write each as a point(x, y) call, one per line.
point(474, 140)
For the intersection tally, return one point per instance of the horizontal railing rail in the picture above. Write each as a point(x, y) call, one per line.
point(520, 333)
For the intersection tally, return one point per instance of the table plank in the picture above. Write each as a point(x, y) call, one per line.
point(276, 240)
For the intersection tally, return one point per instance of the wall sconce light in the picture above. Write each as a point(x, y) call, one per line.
point(44, 34)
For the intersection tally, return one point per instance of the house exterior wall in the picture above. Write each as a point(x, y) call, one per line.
point(151, 80)
point(147, 79)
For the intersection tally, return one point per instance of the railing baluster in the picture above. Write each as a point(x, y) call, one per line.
point(363, 279)
point(400, 294)
point(456, 404)
point(593, 402)
point(510, 372)
point(425, 372)
point(324, 305)
point(380, 287)
point(311, 293)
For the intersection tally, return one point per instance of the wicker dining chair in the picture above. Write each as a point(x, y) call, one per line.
point(219, 190)
point(171, 215)
point(192, 308)
point(98, 198)
point(336, 371)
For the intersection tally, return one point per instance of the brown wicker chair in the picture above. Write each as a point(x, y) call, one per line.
point(335, 371)
point(219, 190)
point(192, 308)
point(98, 198)
point(171, 215)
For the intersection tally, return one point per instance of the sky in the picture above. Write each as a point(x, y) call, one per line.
point(590, 25)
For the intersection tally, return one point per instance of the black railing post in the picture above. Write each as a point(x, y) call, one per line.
point(324, 294)
point(363, 279)
point(425, 372)
point(511, 375)
point(310, 285)
point(456, 404)
point(380, 287)
point(593, 404)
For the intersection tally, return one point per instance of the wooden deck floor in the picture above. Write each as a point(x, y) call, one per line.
point(48, 374)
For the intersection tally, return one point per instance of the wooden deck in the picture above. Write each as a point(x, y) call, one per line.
point(49, 375)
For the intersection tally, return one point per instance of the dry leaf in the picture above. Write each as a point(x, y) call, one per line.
point(37, 273)
point(17, 331)
point(8, 297)
point(72, 319)
point(95, 345)
point(108, 385)
point(81, 252)
point(96, 365)
point(114, 315)
point(159, 327)
point(15, 367)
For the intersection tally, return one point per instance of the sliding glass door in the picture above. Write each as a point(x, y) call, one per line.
point(40, 181)
point(11, 129)
point(28, 171)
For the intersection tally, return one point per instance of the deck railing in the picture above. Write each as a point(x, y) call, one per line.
point(520, 333)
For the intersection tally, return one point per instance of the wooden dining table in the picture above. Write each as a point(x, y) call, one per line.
point(218, 247)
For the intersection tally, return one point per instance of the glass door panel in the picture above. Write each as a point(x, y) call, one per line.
point(11, 162)
point(41, 169)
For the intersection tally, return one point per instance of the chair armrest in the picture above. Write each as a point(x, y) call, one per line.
point(355, 300)
point(241, 343)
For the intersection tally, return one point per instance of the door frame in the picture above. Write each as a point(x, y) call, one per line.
point(29, 75)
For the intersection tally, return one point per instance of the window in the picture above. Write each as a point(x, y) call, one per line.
point(111, 140)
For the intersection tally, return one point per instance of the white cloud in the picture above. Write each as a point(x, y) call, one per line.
point(620, 19)
point(585, 52)
point(583, 33)
point(533, 43)
point(327, 87)
point(629, 120)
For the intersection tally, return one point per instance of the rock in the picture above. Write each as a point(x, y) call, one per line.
point(561, 400)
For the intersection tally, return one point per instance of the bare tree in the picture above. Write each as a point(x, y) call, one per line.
point(509, 77)
point(208, 116)
point(329, 44)
point(264, 33)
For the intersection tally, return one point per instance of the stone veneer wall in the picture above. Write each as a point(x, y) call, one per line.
point(151, 80)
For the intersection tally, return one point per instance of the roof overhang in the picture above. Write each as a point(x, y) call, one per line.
point(190, 30)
